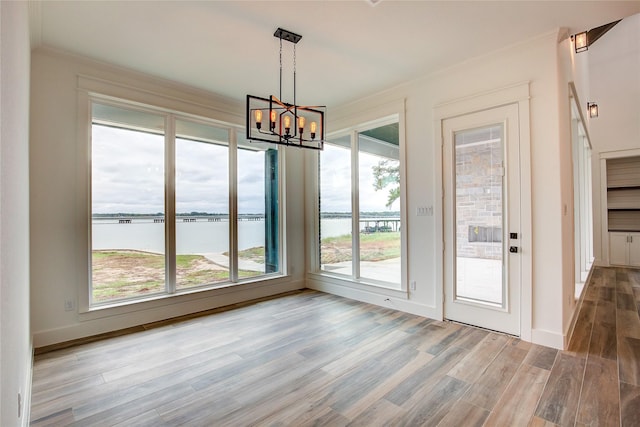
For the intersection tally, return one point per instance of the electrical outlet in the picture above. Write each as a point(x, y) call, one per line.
point(412, 285)
point(69, 305)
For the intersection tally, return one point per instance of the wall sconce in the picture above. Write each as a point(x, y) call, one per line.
point(580, 41)
point(592, 107)
point(584, 39)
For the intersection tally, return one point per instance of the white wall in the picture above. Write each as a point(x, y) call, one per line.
point(570, 69)
point(567, 72)
point(614, 63)
point(614, 84)
point(535, 61)
point(15, 336)
point(59, 204)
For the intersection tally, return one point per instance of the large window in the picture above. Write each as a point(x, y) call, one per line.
point(162, 192)
point(202, 204)
point(258, 210)
point(360, 218)
point(128, 203)
point(582, 190)
point(335, 207)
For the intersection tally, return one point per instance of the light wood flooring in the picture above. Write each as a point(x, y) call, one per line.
point(310, 358)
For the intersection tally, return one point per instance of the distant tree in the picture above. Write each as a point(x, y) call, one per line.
point(387, 173)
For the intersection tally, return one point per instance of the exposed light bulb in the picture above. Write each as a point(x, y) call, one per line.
point(314, 126)
point(287, 124)
point(272, 116)
point(258, 118)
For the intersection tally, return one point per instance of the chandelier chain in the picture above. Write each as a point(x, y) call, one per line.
point(280, 67)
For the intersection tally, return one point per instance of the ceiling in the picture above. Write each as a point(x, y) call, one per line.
point(349, 49)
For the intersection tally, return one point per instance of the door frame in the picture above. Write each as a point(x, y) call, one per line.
point(515, 94)
point(503, 316)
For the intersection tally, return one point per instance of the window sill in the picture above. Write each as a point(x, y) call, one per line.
point(165, 300)
point(362, 284)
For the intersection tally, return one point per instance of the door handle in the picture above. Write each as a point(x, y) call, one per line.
point(513, 249)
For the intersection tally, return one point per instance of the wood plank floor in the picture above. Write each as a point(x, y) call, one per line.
point(310, 358)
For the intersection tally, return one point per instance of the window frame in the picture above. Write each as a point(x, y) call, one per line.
point(581, 163)
point(353, 126)
point(159, 105)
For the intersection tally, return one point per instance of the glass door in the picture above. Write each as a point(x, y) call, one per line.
point(482, 273)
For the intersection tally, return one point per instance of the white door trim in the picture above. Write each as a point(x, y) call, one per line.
point(513, 94)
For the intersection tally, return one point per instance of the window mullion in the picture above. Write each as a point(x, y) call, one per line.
point(233, 205)
point(282, 203)
point(170, 203)
point(355, 206)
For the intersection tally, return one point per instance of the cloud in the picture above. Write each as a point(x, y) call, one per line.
point(128, 175)
point(335, 178)
point(251, 182)
point(127, 171)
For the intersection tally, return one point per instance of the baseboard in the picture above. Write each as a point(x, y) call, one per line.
point(26, 394)
point(548, 338)
point(375, 298)
point(574, 317)
point(106, 325)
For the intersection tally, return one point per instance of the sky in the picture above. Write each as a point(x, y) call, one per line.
point(335, 178)
point(128, 176)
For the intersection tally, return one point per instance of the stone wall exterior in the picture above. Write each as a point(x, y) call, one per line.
point(479, 174)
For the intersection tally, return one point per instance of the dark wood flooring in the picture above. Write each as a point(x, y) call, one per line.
point(310, 358)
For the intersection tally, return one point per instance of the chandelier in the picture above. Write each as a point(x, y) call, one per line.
point(275, 121)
